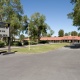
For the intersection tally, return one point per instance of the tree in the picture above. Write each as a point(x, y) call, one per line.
point(74, 33)
point(21, 37)
point(61, 33)
point(73, 1)
point(79, 34)
point(50, 34)
point(11, 11)
point(75, 15)
point(69, 33)
point(66, 34)
point(25, 21)
point(37, 26)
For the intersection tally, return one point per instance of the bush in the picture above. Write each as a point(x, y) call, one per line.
point(43, 42)
point(33, 42)
point(17, 43)
point(25, 42)
point(2, 44)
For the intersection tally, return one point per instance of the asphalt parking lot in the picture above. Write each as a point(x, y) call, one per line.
point(61, 64)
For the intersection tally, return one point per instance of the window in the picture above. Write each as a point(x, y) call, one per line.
point(3, 31)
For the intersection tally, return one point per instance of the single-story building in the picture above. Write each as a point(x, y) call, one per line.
point(60, 39)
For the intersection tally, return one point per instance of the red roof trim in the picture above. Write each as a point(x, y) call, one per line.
point(59, 38)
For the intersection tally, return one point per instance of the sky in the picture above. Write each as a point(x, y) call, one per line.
point(55, 12)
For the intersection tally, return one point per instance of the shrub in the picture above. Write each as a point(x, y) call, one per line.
point(33, 42)
point(43, 42)
point(25, 42)
point(2, 44)
point(17, 43)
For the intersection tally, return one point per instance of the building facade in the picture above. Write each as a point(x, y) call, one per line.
point(68, 39)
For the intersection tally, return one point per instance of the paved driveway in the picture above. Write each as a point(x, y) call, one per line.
point(61, 64)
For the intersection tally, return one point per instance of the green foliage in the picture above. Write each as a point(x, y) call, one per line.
point(74, 33)
point(33, 43)
point(11, 11)
point(66, 34)
point(79, 34)
point(38, 22)
point(61, 33)
point(50, 34)
point(25, 42)
point(40, 49)
point(69, 33)
point(37, 26)
point(73, 1)
point(44, 42)
point(16, 43)
point(22, 37)
point(25, 24)
point(75, 15)
point(2, 44)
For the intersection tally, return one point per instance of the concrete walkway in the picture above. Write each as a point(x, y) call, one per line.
point(61, 64)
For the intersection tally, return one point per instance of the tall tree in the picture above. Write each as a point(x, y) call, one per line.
point(75, 15)
point(11, 11)
point(73, 1)
point(69, 33)
point(37, 26)
point(25, 21)
point(74, 33)
point(21, 37)
point(61, 33)
point(79, 34)
point(66, 34)
point(50, 34)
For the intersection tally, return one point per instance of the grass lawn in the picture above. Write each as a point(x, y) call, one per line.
point(39, 48)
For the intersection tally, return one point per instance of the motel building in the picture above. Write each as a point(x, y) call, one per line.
point(68, 39)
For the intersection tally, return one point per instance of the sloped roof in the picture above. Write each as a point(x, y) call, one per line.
point(61, 38)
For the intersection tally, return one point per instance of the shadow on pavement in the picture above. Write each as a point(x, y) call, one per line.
point(7, 53)
point(73, 46)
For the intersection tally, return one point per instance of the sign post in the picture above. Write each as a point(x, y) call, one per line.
point(9, 40)
point(5, 32)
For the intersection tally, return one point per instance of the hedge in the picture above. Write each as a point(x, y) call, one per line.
point(2, 44)
point(16, 43)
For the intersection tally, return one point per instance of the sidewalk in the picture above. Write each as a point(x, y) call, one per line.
point(5, 48)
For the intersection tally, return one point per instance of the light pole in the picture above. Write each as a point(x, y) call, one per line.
point(28, 37)
point(9, 40)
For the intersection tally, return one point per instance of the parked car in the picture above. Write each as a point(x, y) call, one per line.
point(75, 45)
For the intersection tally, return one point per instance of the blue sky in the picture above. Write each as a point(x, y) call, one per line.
point(55, 11)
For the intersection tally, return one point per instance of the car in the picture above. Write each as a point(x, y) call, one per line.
point(75, 45)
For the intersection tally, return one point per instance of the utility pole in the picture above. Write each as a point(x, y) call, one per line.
point(28, 38)
point(9, 40)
